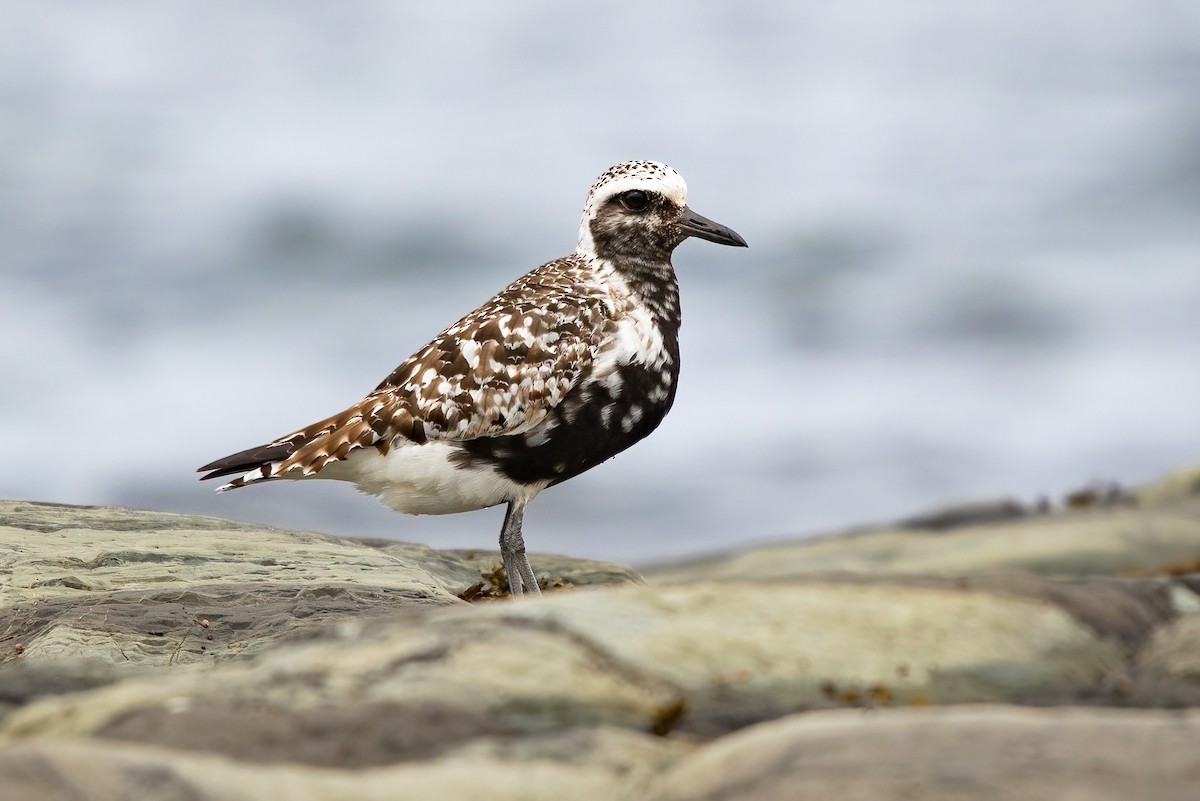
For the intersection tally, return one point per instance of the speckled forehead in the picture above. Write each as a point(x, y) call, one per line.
point(648, 175)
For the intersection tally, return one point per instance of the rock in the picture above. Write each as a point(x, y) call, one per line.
point(24, 681)
point(1160, 530)
point(135, 588)
point(457, 568)
point(741, 653)
point(1179, 489)
point(703, 660)
point(976, 753)
point(153, 655)
point(1174, 650)
point(595, 763)
point(965, 514)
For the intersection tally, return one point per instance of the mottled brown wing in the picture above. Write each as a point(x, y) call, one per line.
point(498, 371)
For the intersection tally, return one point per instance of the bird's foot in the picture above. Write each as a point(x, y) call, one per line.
point(521, 578)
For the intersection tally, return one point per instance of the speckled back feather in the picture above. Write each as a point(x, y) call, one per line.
point(495, 372)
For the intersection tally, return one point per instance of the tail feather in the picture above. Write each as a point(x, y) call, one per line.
point(256, 458)
point(302, 453)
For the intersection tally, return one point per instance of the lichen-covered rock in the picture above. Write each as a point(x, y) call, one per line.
point(967, 753)
point(1152, 528)
point(740, 653)
point(136, 588)
point(1174, 650)
point(704, 659)
point(153, 655)
point(599, 763)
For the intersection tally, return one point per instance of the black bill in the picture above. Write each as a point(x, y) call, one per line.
point(693, 224)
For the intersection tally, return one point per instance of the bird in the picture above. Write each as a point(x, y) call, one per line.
point(566, 367)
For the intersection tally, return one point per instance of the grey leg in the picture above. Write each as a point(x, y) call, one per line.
point(512, 553)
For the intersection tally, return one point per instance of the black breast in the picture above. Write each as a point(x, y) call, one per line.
point(594, 422)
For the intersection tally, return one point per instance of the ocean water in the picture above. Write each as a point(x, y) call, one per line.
point(974, 265)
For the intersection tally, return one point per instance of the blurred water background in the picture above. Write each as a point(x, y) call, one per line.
point(974, 227)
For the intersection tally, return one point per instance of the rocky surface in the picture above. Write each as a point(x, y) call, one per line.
point(600, 763)
point(146, 655)
point(132, 588)
point(1104, 531)
point(977, 753)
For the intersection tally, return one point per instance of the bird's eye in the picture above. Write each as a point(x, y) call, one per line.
point(635, 200)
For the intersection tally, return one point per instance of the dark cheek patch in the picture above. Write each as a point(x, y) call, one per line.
point(618, 236)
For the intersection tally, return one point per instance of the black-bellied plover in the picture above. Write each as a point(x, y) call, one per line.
point(566, 367)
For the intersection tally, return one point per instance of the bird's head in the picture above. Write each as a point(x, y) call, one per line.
point(639, 209)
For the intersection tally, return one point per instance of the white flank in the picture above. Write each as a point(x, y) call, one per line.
point(422, 480)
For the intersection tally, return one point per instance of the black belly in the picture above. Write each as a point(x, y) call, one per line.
point(593, 423)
